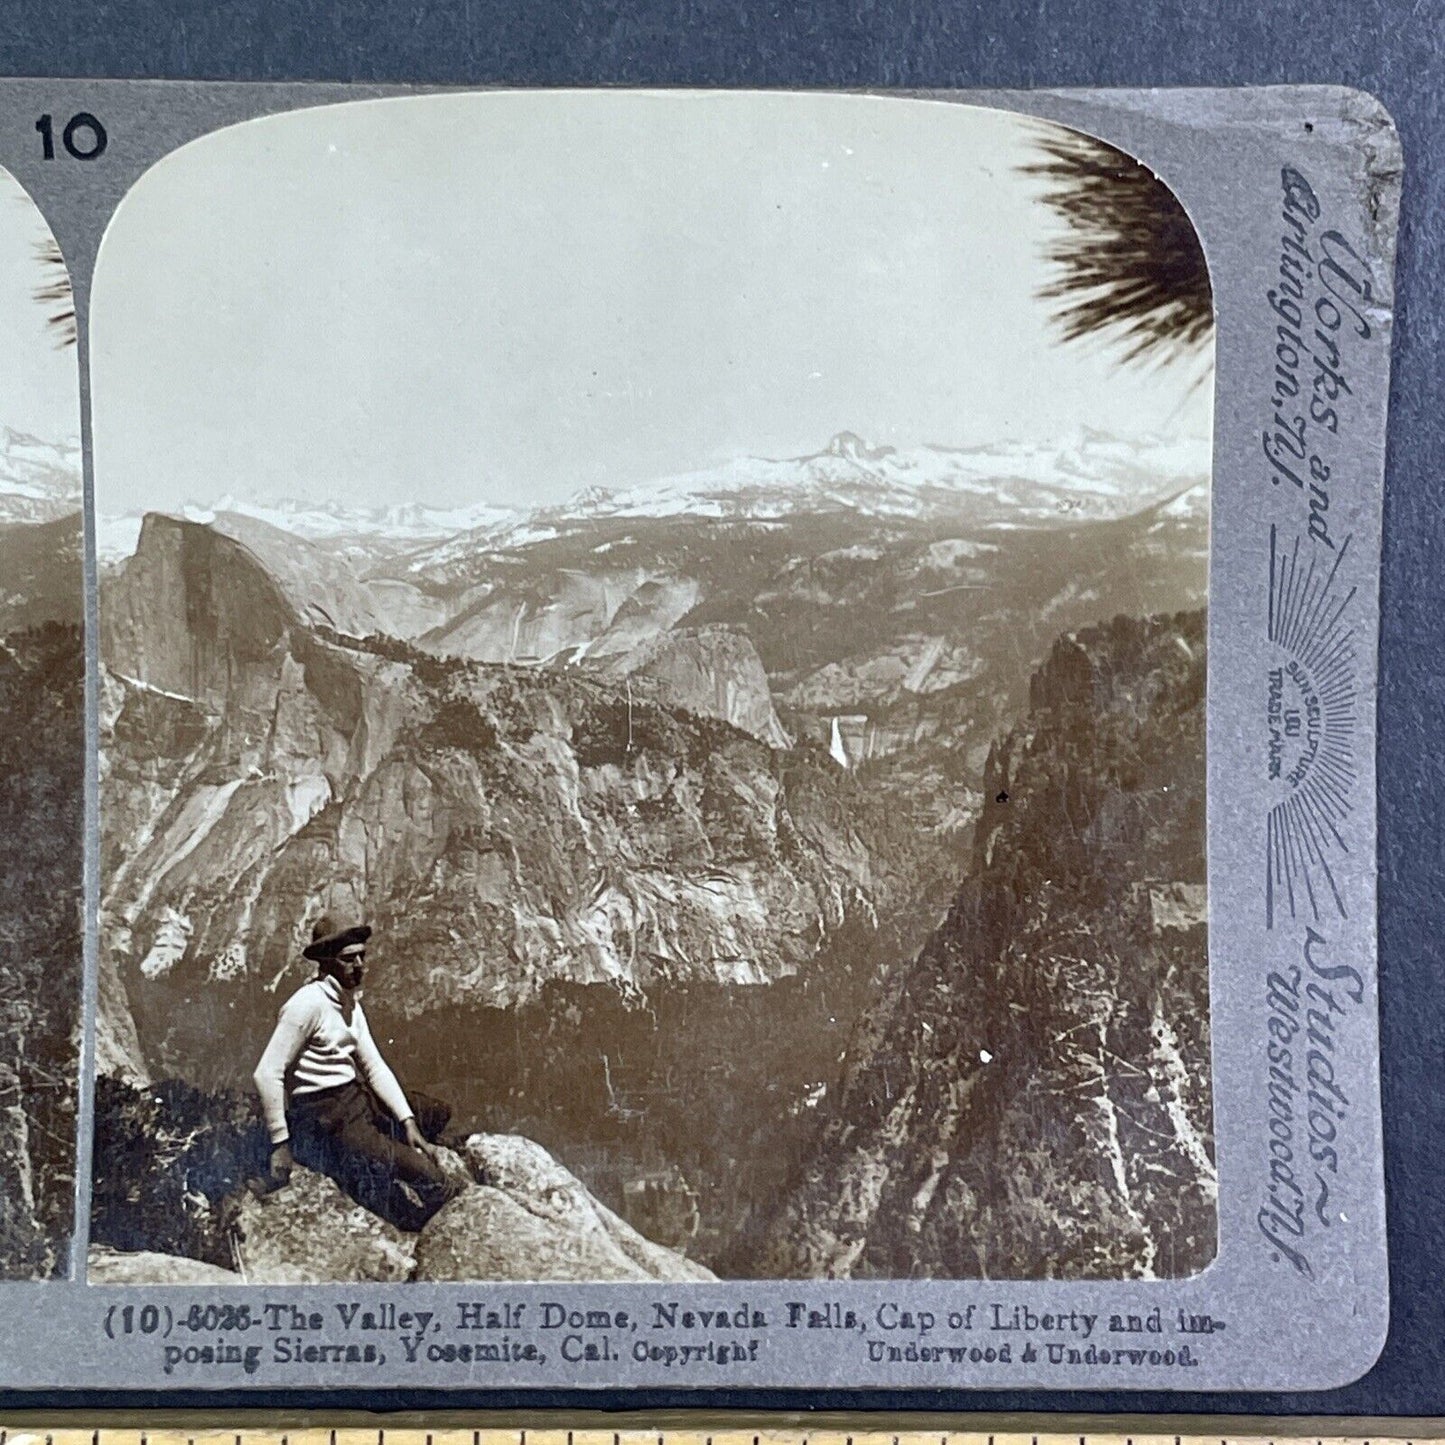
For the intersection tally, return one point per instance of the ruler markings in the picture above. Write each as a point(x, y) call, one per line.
point(715, 1432)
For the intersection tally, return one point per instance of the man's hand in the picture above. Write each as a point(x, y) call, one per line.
point(416, 1138)
point(282, 1164)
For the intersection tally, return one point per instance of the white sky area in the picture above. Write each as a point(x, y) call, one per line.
point(39, 381)
point(508, 297)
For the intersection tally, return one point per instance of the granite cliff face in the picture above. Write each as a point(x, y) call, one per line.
point(326, 590)
point(500, 827)
point(41, 801)
point(1030, 1097)
point(709, 671)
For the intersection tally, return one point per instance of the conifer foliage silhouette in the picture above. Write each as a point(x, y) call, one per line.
point(1129, 268)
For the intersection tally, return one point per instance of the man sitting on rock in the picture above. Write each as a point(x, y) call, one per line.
point(347, 1116)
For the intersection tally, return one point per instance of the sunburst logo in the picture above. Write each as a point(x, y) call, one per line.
point(1310, 714)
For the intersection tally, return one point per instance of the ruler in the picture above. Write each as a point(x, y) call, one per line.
point(675, 1428)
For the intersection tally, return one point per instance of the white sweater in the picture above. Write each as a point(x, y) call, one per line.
point(319, 1046)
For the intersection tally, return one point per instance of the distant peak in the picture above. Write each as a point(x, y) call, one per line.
point(851, 447)
point(11, 437)
point(590, 498)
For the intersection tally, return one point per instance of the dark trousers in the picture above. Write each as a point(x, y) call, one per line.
point(346, 1134)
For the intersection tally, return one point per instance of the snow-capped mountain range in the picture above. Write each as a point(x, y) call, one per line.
point(39, 480)
point(1088, 476)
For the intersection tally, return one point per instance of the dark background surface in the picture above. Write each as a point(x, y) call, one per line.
point(1395, 50)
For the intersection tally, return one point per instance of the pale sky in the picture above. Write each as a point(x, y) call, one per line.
point(506, 297)
point(39, 381)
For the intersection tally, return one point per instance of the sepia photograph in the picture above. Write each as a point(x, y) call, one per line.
point(652, 670)
point(42, 745)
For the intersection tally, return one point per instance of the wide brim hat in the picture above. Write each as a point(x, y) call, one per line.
point(328, 938)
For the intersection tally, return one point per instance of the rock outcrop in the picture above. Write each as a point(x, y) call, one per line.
point(310, 1232)
point(711, 671)
point(532, 1220)
point(519, 1215)
point(118, 1053)
point(325, 590)
point(194, 616)
point(550, 613)
point(1031, 1097)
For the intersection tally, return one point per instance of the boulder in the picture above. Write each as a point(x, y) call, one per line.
point(519, 1216)
point(118, 1266)
point(310, 1232)
point(456, 1169)
point(485, 1234)
point(532, 1220)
